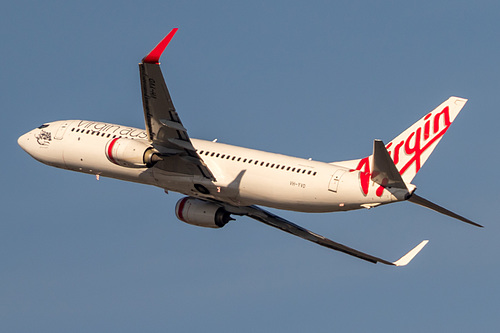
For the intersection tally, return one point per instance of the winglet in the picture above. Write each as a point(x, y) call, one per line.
point(410, 255)
point(154, 56)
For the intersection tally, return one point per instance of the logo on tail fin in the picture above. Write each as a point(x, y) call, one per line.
point(411, 148)
point(415, 145)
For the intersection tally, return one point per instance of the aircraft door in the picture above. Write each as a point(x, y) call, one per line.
point(61, 130)
point(334, 182)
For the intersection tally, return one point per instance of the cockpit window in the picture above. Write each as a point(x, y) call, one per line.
point(43, 126)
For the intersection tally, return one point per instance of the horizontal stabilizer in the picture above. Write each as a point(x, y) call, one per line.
point(384, 171)
point(426, 203)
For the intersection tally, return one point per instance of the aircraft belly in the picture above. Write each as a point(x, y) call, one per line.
point(173, 182)
point(284, 191)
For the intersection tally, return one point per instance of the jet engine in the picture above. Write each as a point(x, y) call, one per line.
point(131, 153)
point(201, 213)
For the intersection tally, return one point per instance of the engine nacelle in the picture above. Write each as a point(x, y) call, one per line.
point(130, 153)
point(201, 213)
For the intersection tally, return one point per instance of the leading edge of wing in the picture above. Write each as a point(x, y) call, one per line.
point(153, 57)
point(278, 222)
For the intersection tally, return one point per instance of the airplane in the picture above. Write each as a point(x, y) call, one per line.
point(221, 180)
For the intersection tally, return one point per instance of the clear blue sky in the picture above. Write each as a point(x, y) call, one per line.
point(317, 79)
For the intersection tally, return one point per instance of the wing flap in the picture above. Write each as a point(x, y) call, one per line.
point(173, 125)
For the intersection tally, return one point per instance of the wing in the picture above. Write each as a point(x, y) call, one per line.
point(278, 222)
point(163, 125)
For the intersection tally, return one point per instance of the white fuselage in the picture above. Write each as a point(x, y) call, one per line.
point(243, 176)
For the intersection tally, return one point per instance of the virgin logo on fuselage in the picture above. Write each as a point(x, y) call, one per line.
point(408, 152)
point(113, 129)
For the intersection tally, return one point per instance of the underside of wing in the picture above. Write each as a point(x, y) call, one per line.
point(163, 125)
point(278, 222)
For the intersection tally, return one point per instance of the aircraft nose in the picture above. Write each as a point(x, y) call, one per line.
point(23, 141)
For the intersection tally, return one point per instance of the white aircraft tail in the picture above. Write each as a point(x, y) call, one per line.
point(411, 149)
